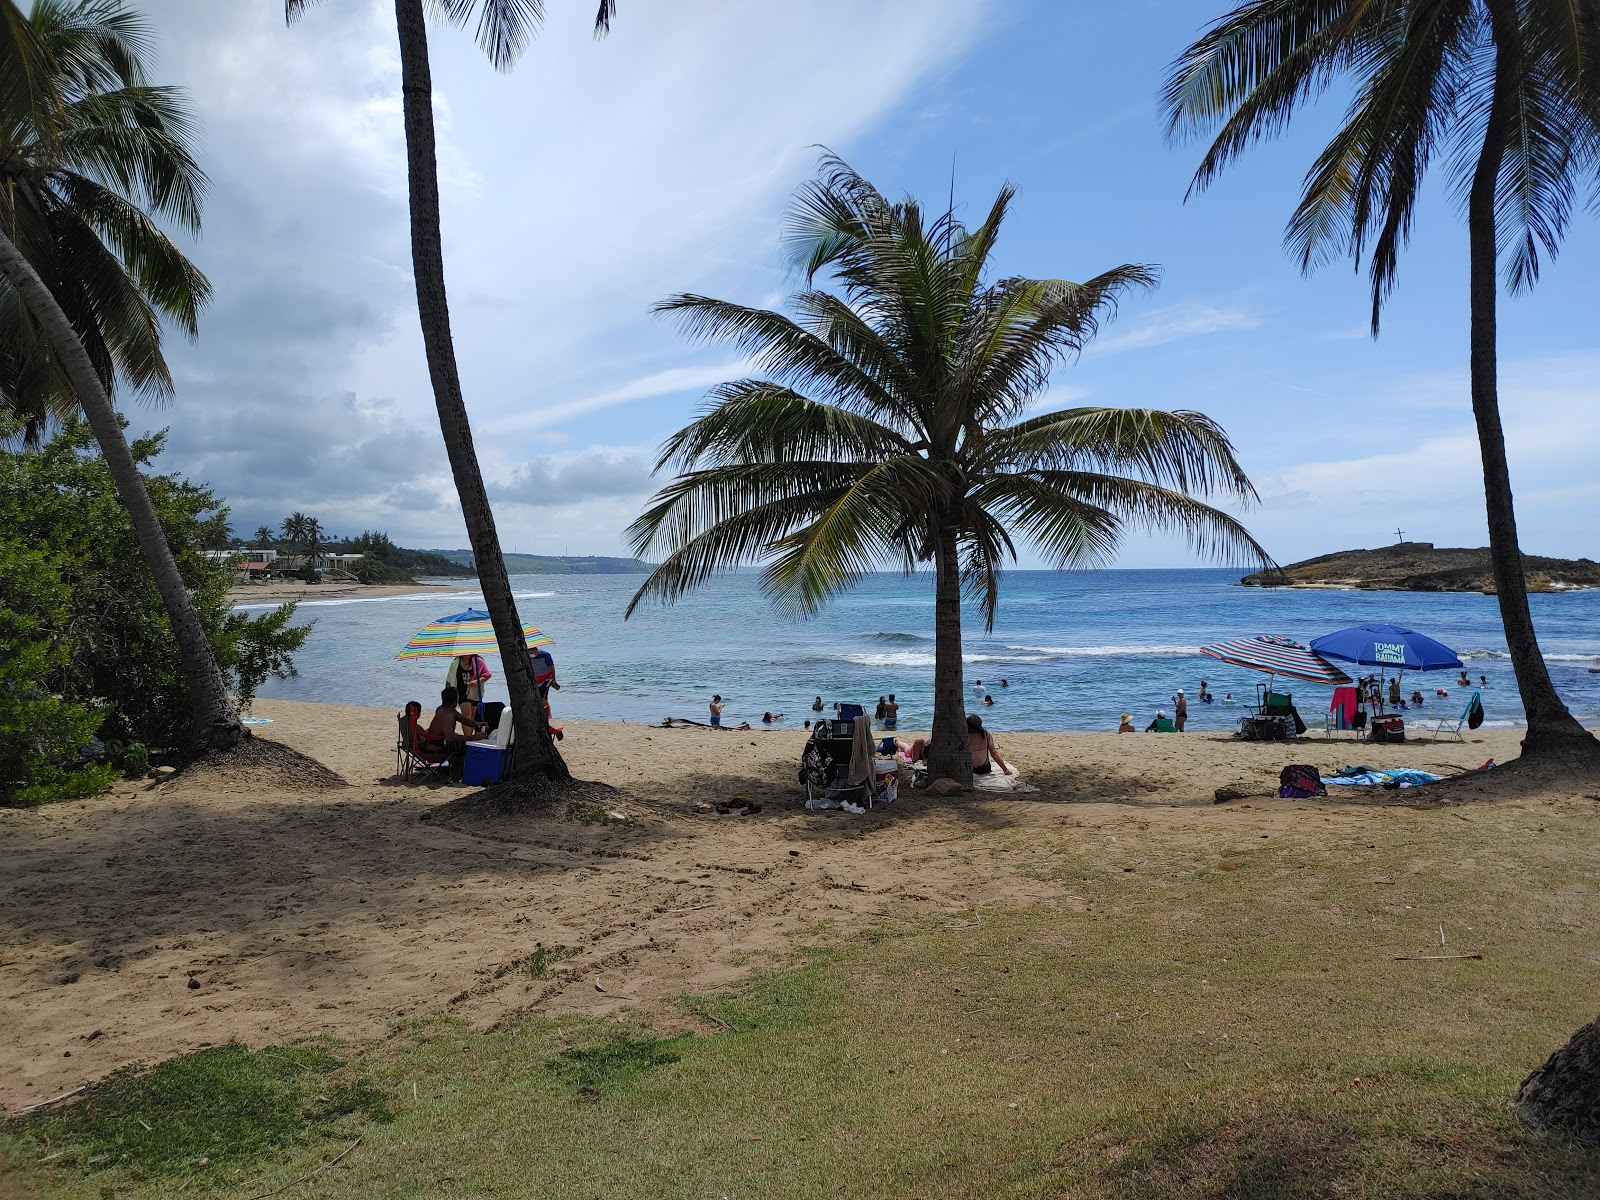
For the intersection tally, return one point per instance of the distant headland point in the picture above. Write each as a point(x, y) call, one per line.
point(1421, 567)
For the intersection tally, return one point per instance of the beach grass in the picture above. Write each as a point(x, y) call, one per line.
point(1219, 1016)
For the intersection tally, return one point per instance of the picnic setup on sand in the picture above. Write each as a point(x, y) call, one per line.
point(1368, 707)
point(468, 740)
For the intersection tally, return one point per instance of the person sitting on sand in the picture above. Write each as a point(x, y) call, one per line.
point(1127, 724)
point(981, 743)
point(891, 713)
point(1160, 724)
point(441, 731)
point(816, 705)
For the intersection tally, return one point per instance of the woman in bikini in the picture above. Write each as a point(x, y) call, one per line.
point(985, 754)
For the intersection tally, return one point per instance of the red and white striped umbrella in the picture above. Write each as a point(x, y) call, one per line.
point(1277, 656)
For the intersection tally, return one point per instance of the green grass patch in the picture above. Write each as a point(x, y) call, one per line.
point(206, 1115)
point(1177, 1031)
point(584, 813)
point(537, 964)
point(613, 1063)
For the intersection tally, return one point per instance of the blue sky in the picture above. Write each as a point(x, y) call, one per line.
point(600, 176)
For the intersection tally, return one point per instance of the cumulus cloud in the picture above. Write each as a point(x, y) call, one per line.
point(577, 190)
point(550, 482)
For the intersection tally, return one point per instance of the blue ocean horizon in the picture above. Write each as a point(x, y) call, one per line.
point(1075, 648)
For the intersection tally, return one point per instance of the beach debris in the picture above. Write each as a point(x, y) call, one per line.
point(1431, 957)
point(598, 986)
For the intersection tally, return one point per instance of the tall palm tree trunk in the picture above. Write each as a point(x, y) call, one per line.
point(536, 751)
point(213, 721)
point(949, 756)
point(1551, 728)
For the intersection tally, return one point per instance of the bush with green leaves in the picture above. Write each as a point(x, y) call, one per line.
point(85, 646)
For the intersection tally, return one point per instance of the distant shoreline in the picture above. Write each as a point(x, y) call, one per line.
point(281, 591)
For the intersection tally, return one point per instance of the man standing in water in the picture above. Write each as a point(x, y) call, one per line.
point(891, 713)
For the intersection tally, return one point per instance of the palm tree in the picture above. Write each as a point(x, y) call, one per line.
point(85, 149)
point(891, 427)
point(77, 176)
point(263, 538)
point(1507, 92)
point(504, 28)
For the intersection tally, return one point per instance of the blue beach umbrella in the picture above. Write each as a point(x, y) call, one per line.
point(1391, 646)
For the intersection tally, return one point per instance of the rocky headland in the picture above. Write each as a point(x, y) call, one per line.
point(1421, 567)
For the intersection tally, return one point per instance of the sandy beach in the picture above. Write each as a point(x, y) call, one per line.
point(164, 917)
point(281, 590)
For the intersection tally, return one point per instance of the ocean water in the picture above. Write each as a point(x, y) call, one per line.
point(1077, 648)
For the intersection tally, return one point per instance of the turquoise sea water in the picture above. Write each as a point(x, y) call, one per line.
point(1076, 648)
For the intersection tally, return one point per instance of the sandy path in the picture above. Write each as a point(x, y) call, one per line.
point(347, 910)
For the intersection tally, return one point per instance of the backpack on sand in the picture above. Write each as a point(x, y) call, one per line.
point(1299, 780)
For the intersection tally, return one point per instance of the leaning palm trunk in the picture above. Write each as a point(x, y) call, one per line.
point(537, 752)
point(1551, 728)
point(949, 753)
point(214, 723)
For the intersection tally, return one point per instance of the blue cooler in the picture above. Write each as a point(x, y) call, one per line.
point(484, 763)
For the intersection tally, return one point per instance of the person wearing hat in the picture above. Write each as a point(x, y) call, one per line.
point(1180, 710)
point(1155, 726)
point(1127, 724)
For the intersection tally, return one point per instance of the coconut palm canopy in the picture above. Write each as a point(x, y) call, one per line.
point(85, 181)
point(1504, 95)
point(892, 423)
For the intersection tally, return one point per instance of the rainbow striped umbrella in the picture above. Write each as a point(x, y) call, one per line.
point(467, 632)
point(1277, 656)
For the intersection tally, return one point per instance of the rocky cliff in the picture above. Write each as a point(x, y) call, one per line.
point(1420, 567)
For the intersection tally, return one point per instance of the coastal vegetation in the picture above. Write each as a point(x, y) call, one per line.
point(504, 28)
point(93, 683)
point(896, 424)
point(92, 159)
point(1507, 96)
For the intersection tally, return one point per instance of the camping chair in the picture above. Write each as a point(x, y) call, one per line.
point(1279, 704)
point(837, 740)
point(1165, 725)
point(1345, 714)
point(414, 753)
point(1448, 728)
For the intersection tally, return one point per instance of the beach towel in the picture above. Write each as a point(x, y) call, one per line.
point(1394, 777)
point(861, 752)
point(995, 782)
point(1344, 703)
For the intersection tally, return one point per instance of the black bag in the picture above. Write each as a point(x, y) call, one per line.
point(1475, 712)
point(816, 765)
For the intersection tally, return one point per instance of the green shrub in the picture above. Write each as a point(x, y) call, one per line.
point(85, 646)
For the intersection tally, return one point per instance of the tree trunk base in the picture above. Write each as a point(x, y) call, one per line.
point(1565, 1092)
point(268, 765)
point(1575, 748)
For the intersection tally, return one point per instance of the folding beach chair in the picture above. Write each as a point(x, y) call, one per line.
point(1452, 728)
point(414, 752)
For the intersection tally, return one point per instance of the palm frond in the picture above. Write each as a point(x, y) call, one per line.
point(757, 421)
point(1184, 449)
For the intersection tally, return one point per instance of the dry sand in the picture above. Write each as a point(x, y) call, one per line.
point(280, 590)
point(158, 919)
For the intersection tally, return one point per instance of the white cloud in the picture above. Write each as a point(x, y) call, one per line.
point(669, 382)
point(1176, 322)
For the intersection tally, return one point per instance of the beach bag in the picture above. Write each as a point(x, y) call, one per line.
point(1475, 712)
point(816, 765)
point(1388, 729)
point(1299, 781)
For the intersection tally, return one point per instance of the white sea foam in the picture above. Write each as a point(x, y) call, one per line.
point(917, 658)
point(1112, 651)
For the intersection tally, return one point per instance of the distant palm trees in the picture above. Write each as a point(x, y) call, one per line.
point(1507, 94)
point(89, 150)
point(504, 28)
point(893, 424)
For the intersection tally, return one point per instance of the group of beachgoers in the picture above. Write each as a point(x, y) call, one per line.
point(463, 717)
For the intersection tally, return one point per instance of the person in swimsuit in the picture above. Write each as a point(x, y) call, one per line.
point(883, 703)
point(1180, 710)
point(979, 741)
point(1416, 699)
point(816, 705)
point(1394, 694)
point(716, 712)
point(442, 731)
point(891, 712)
point(467, 675)
point(1463, 680)
point(988, 700)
